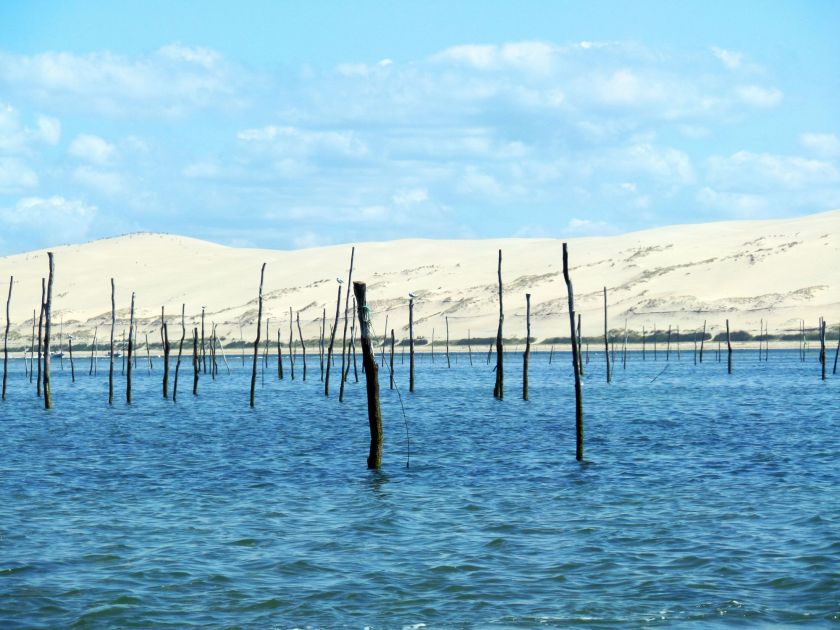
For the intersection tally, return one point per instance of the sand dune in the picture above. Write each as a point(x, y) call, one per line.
point(778, 270)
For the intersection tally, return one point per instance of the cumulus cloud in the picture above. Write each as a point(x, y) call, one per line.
point(823, 144)
point(92, 148)
point(296, 141)
point(55, 218)
point(16, 175)
point(533, 56)
point(729, 58)
point(745, 170)
point(758, 96)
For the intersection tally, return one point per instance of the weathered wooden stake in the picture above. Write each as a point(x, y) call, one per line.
point(344, 336)
point(393, 343)
point(111, 350)
point(279, 356)
point(822, 347)
point(448, 362)
point(130, 350)
point(575, 360)
point(180, 350)
point(70, 350)
point(580, 344)
point(374, 459)
point(197, 367)
point(166, 351)
point(352, 350)
point(257, 341)
point(321, 348)
point(527, 355)
point(551, 355)
point(499, 388)
point(333, 328)
point(47, 326)
point(411, 345)
point(729, 350)
point(606, 339)
point(40, 336)
point(836, 352)
point(203, 347)
point(93, 351)
point(32, 347)
point(702, 341)
point(6, 338)
point(302, 346)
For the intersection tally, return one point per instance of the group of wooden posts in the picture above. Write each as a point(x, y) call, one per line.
point(369, 364)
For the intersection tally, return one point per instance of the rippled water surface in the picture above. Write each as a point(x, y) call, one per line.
point(705, 499)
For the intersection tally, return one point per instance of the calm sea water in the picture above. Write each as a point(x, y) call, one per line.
point(705, 500)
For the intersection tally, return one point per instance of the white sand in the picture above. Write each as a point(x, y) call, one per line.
point(780, 271)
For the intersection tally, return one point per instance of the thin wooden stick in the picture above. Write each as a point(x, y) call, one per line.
point(729, 350)
point(257, 341)
point(575, 360)
point(111, 351)
point(499, 388)
point(197, 367)
point(606, 339)
point(47, 326)
point(180, 350)
point(130, 350)
point(822, 347)
point(448, 362)
point(70, 350)
point(527, 355)
point(40, 336)
point(279, 356)
point(344, 336)
point(302, 346)
point(411, 345)
point(166, 351)
point(393, 343)
point(6, 338)
point(333, 329)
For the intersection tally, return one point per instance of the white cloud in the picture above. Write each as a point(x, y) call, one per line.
point(105, 182)
point(747, 171)
point(587, 227)
point(535, 57)
point(626, 87)
point(296, 141)
point(204, 57)
point(16, 137)
point(410, 197)
point(758, 96)
point(56, 218)
point(15, 175)
point(823, 144)
point(92, 149)
point(729, 58)
point(49, 129)
point(737, 205)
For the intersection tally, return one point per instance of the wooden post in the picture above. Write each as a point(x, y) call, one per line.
point(606, 339)
point(393, 343)
point(702, 341)
point(6, 338)
point(411, 345)
point(836, 352)
point(575, 360)
point(527, 355)
point(93, 351)
point(47, 326)
point(130, 350)
point(551, 354)
point(374, 459)
point(333, 329)
point(40, 336)
point(352, 350)
point(214, 363)
point(257, 341)
point(499, 389)
point(448, 363)
point(302, 346)
point(32, 347)
point(321, 342)
point(70, 350)
point(729, 350)
point(668, 345)
point(344, 336)
point(222, 348)
point(196, 366)
point(279, 356)
point(166, 350)
point(180, 350)
point(822, 347)
point(203, 347)
point(111, 351)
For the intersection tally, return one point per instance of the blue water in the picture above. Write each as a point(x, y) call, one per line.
point(705, 500)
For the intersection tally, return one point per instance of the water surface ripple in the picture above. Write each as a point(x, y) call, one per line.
point(705, 500)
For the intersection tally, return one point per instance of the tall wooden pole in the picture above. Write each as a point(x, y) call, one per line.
point(836, 352)
point(822, 347)
point(47, 325)
point(411, 344)
point(257, 341)
point(6, 338)
point(575, 360)
point(321, 342)
point(499, 389)
point(606, 339)
point(729, 350)
point(180, 351)
point(32, 347)
point(130, 350)
point(448, 363)
point(111, 348)
point(166, 351)
point(302, 346)
point(40, 336)
point(279, 356)
point(291, 344)
point(374, 459)
point(527, 355)
point(70, 350)
point(344, 336)
point(333, 329)
point(580, 344)
point(203, 347)
point(196, 365)
point(93, 351)
point(393, 343)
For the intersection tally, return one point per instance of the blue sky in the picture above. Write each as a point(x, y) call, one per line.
point(291, 124)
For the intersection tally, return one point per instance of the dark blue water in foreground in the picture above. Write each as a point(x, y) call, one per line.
point(705, 500)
